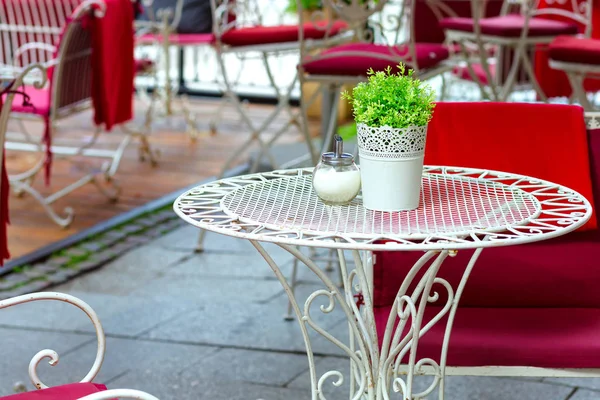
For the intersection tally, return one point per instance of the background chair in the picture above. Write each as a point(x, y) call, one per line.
point(158, 32)
point(527, 310)
point(520, 28)
point(359, 37)
point(49, 34)
point(579, 59)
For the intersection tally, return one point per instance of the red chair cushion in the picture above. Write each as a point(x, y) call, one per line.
point(426, 27)
point(257, 35)
point(39, 98)
point(142, 65)
point(355, 59)
point(511, 26)
point(537, 337)
point(462, 72)
point(516, 276)
point(575, 50)
point(178, 39)
point(65, 392)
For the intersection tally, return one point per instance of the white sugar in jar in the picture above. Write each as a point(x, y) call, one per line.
point(336, 180)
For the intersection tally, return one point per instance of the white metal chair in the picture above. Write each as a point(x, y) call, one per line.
point(522, 26)
point(159, 33)
point(579, 58)
point(53, 34)
point(358, 37)
point(241, 32)
point(84, 390)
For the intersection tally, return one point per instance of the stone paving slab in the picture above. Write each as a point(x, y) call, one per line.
point(582, 394)
point(590, 383)
point(248, 366)
point(178, 388)
point(237, 324)
point(124, 355)
point(119, 315)
point(204, 290)
point(219, 264)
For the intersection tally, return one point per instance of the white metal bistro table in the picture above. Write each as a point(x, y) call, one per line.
point(460, 208)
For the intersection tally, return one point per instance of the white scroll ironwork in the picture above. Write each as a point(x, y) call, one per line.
point(462, 208)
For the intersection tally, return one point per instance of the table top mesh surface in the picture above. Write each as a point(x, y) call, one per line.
point(461, 208)
point(448, 204)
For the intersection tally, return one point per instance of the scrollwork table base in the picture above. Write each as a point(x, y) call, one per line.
point(460, 209)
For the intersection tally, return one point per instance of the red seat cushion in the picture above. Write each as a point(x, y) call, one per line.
point(511, 26)
point(257, 35)
point(39, 98)
point(516, 276)
point(462, 72)
point(575, 50)
point(355, 59)
point(65, 392)
point(537, 337)
point(142, 65)
point(179, 39)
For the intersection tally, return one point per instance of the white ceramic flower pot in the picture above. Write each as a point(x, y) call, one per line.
point(391, 166)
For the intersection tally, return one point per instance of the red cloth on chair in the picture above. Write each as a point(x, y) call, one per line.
point(551, 138)
point(355, 59)
point(64, 392)
point(510, 26)
point(112, 58)
point(536, 337)
point(554, 83)
point(257, 35)
point(4, 215)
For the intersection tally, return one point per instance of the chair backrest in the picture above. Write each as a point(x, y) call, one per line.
point(578, 11)
point(524, 275)
point(72, 77)
point(389, 24)
point(31, 29)
point(428, 13)
point(232, 14)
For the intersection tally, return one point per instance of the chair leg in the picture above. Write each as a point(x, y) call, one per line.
point(576, 80)
point(289, 315)
point(103, 180)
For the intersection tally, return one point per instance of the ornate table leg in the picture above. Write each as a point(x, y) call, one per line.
point(377, 373)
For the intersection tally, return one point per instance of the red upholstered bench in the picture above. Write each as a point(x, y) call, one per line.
point(535, 305)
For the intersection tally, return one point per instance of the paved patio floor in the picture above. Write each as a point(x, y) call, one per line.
point(203, 326)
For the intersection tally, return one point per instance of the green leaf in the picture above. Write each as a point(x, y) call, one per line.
point(392, 99)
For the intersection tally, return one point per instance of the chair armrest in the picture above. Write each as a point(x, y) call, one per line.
point(51, 354)
point(121, 394)
point(37, 46)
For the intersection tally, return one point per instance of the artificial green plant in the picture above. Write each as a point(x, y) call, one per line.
point(397, 100)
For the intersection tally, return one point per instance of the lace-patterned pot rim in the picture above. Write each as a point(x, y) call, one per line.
point(389, 143)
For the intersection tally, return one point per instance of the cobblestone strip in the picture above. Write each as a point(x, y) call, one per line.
point(89, 254)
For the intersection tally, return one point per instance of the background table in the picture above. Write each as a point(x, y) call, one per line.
point(460, 209)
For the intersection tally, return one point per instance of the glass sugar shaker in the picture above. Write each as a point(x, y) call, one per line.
point(336, 179)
